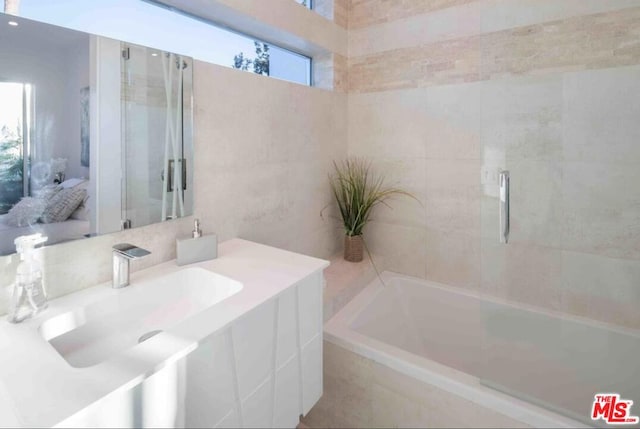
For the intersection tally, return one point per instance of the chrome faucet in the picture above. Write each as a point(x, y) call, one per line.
point(122, 254)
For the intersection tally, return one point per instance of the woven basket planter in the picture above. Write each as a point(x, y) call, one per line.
point(353, 248)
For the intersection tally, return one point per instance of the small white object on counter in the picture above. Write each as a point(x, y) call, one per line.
point(42, 389)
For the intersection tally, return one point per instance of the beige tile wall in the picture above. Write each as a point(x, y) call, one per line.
point(608, 39)
point(330, 72)
point(334, 10)
point(330, 68)
point(263, 149)
point(364, 13)
point(80, 264)
point(341, 12)
point(359, 392)
point(261, 171)
point(470, 19)
point(547, 91)
point(263, 174)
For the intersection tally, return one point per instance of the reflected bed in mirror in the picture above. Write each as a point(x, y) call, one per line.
point(95, 134)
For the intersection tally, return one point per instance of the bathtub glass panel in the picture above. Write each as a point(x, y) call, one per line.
point(568, 138)
point(556, 362)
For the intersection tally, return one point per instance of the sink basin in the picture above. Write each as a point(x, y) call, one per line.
point(92, 334)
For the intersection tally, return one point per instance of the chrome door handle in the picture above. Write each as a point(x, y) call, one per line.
point(504, 206)
point(170, 175)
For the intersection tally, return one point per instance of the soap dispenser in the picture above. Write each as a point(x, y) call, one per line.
point(29, 295)
point(198, 248)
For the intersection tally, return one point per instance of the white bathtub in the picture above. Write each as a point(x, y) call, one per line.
point(536, 367)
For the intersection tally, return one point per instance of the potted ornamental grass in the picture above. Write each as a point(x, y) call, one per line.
point(358, 191)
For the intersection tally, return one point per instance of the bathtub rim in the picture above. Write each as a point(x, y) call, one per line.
point(338, 332)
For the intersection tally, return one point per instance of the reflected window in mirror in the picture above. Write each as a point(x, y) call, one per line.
point(95, 134)
point(43, 184)
point(15, 125)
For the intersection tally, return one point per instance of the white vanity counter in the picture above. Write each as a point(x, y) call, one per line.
point(39, 388)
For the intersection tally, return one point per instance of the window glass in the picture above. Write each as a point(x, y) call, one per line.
point(146, 24)
point(13, 122)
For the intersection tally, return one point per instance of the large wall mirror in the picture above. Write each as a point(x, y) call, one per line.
point(95, 134)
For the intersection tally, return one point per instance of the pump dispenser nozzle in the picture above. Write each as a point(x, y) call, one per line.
point(197, 232)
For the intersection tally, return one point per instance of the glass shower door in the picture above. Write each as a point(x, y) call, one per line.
point(157, 139)
point(570, 263)
point(527, 351)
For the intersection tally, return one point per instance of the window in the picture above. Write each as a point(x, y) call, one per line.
point(150, 24)
point(15, 118)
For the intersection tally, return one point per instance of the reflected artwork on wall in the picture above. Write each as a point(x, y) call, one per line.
point(84, 127)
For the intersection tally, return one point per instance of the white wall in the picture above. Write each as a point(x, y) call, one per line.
point(57, 71)
point(77, 78)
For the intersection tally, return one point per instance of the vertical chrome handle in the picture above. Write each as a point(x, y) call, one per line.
point(504, 206)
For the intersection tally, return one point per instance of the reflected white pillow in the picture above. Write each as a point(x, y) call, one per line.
point(81, 213)
point(84, 185)
point(26, 212)
point(62, 204)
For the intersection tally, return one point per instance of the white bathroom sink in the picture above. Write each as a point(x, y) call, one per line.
point(92, 334)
